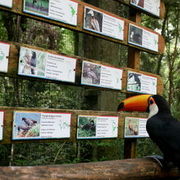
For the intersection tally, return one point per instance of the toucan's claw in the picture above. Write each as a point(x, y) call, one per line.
point(162, 162)
point(159, 159)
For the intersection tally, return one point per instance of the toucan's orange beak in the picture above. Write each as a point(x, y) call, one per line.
point(135, 103)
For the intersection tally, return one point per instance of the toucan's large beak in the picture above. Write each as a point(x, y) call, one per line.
point(135, 103)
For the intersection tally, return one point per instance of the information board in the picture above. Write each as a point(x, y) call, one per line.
point(101, 76)
point(143, 38)
point(7, 3)
point(151, 6)
point(141, 83)
point(4, 55)
point(1, 124)
point(46, 65)
point(36, 125)
point(60, 10)
point(92, 127)
point(135, 127)
point(104, 24)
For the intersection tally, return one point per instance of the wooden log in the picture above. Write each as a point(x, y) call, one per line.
point(129, 169)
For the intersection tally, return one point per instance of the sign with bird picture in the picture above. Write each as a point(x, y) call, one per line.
point(101, 76)
point(60, 10)
point(141, 37)
point(94, 127)
point(141, 83)
point(7, 3)
point(1, 124)
point(4, 54)
point(37, 125)
point(46, 65)
point(135, 127)
point(103, 23)
point(151, 6)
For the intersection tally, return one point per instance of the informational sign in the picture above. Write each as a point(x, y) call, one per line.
point(104, 24)
point(143, 38)
point(101, 76)
point(141, 83)
point(92, 127)
point(46, 65)
point(151, 6)
point(46, 125)
point(1, 124)
point(7, 3)
point(135, 127)
point(4, 53)
point(59, 10)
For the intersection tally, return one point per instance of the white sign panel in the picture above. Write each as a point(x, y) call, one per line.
point(34, 125)
point(7, 3)
point(141, 83)
point(46, 65)
point(1, 124)
point(104, 24)
point(4, 53)
point(101, 76)
point(91, 127)
point(151, 6)
point(143, 38)
point(135, 127)
point(60, 10)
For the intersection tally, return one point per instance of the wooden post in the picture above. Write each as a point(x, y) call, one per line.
point(133, 62)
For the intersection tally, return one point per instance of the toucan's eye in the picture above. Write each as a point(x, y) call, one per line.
point(151, 101)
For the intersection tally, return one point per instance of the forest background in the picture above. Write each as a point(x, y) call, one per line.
point(30, 93)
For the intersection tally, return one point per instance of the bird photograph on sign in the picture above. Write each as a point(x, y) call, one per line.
point(26, 125)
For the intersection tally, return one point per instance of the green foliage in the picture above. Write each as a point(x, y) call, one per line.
point(3, 31)
point(145, 147)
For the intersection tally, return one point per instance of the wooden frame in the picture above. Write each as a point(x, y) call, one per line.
point(18, 9)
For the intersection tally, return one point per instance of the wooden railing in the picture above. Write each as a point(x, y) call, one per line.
point(129, 169)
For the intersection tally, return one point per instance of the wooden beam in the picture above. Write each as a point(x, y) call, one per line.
point(134, 61)
point(18, 9)
point(129, 169)
point(14, 60)
point(8, 122)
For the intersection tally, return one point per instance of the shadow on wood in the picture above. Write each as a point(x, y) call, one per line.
point(128, 169)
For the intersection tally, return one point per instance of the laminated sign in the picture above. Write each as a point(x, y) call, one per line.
point(7, 3)
point(103, 23)
point(45, 125)
point(93, 127)
point(101, 76)
point(46, 65)
point(4, 55)
point(143, 38)
point(1, 124)
point(151, 6)
point(60, 10)
point(141, 83)
point(135, 127)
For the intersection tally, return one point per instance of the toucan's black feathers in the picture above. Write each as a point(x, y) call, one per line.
point(164, 130)
point(121, 106)
point(161, 103)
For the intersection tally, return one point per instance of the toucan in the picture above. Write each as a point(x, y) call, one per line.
point(161, 126)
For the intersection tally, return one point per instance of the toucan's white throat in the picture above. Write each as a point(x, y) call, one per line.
point(153, 110)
